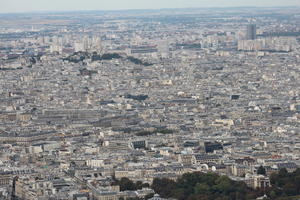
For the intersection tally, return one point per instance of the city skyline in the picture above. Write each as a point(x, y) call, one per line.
point(185, 103)
point(16, 6)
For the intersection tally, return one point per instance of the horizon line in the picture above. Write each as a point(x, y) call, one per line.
point(141, 9)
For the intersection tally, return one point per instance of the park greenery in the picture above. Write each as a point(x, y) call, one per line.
point(138, 61)
point(81, 56)
point(206, 186)
point(284, 184)
point(127, 184)
point(211, 186)
point(198, 185)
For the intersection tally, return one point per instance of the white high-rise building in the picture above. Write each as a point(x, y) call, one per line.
point(78, 46)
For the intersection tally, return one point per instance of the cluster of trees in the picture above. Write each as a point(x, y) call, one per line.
point(86, 72)
point(211, 186)
point(284, 184)
point(137, 97)
point(10, 69)
point(127, 184)
point(76, 57)
point(138, 61)
point(161, 131)
point(80, 56)
point(261, 170)
point(106, 56)
point(197, 185)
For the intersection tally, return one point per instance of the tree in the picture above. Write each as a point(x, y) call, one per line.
point(261, 170)
point(272, 194)
point(283, 173)
point(164, 187)
point(149, 196)
point(201, 188)
point(126, 184)
point(290, 189)
point(139, 185)
point(224, 185)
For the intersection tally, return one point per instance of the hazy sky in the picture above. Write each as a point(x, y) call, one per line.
point(53, 5)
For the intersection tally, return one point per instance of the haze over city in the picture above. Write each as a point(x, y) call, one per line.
point(9, 6)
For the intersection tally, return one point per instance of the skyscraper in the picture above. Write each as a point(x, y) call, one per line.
point(251, 32)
